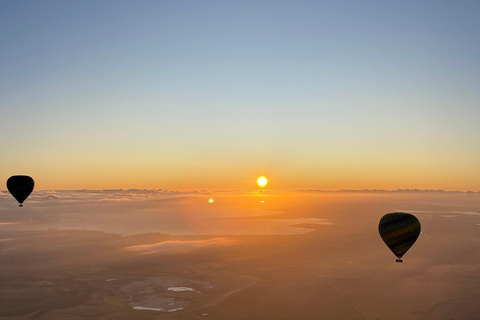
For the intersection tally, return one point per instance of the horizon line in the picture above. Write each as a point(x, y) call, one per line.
point(206, 191)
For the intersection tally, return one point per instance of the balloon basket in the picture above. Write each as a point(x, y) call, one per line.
point(20, 205)
point(399, 260)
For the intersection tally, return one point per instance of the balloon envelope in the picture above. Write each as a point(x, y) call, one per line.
point(20, 187)
point(399, 231)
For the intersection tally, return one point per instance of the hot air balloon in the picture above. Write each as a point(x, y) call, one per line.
point(20, 187)
point(399, 231)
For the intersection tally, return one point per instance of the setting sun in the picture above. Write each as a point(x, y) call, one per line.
point(262, 181)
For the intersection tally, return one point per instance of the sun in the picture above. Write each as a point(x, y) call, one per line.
point(262, 181)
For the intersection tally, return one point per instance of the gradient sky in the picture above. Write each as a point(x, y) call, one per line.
point(212, 94)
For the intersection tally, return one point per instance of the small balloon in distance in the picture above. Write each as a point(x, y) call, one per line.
point(20, 187)
point(399, 231)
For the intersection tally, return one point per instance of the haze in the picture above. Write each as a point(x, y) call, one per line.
point(151, 127)
point(142, 254)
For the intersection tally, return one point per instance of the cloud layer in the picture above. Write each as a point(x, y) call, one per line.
point(172, 246)
point(136, 194)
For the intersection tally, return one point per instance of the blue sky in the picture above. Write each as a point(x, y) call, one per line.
point(337, 94)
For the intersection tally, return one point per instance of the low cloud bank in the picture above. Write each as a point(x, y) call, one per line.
point(107, 194)
point(173, 246)
point(422, 191)
point(136, 194)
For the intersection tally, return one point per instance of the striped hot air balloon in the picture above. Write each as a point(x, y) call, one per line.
point(399, 231)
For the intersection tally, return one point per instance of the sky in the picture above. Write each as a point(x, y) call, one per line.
point(212, 94)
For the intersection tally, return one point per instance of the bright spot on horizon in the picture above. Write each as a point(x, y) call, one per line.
point(262, 201)
point(210, 200)
point(262, 181)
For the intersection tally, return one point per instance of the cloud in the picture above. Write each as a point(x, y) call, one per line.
point(84, 195)
point(107, 194)
point(179, 246)
point(384, 191)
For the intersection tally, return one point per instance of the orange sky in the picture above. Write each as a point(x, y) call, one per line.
point(321, 98)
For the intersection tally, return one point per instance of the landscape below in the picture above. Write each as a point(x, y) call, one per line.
point(290, 255)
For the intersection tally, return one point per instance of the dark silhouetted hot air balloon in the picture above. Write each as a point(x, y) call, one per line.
point(399, 231)
point(20, 187)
